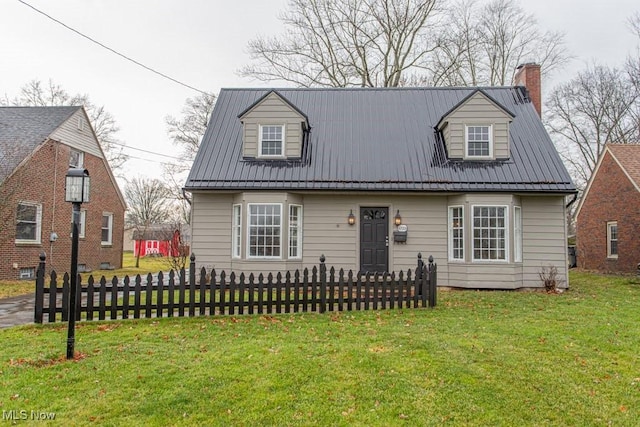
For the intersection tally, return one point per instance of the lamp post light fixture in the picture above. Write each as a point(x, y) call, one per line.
point(77, 185)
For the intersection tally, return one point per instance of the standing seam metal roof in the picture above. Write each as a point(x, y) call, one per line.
point(378, 139)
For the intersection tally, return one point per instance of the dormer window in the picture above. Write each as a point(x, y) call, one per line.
point(479, 141)
point(271, 140)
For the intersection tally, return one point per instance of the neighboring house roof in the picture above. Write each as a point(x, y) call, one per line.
point(22, 129)
point(378, 139)
point(627, 157)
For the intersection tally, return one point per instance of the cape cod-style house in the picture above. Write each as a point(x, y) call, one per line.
point(369, 177)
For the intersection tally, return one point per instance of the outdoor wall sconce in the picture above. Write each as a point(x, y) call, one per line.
point(397, 219)
point(351, 219)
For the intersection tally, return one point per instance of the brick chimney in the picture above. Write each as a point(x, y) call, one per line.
point(528, 75)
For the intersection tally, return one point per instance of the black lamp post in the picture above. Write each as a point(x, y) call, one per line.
point(76, 192)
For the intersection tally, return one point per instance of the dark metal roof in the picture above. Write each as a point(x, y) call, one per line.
point(377, 139)
point(22, 129)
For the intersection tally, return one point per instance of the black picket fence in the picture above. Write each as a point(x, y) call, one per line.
point(182, 294)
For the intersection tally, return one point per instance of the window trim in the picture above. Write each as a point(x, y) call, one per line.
point(110, 241)
point(451, 229)
point(38, 221)
point(248, 245)
point(517, 234)
point(282, 145)
point(506, 234)
point(298, 228)
point(466, 140)
point(236, 231)
point(610, 225)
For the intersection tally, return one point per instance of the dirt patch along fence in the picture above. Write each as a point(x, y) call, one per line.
point(180, 294)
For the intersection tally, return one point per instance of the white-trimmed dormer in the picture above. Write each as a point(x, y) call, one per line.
point(273, 128)
point(477, 128)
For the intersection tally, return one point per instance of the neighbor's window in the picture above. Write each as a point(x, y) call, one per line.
point(612, 239)
point(81, 225)
point(271, 140)
point(265, 224)
point(236, 230)
point(295, 231)
point(28, 222)
point(517, 233)
point(76, 158)
point(490, 233)
point(27, 273)
point(107, 228)
point(479, 142)
point(456, 233)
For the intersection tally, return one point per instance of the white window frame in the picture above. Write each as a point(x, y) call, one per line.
point(506, 234)
point(110, 228)
point(27, 273)
point(517, 234)
point(466, 140)
point(298, 232)
point(83, 223)
point(610, 226)
point(250, 226)
point(282, 142)
point(236, 231)
point(38, 223)
point(452, 238)
point(80, 162)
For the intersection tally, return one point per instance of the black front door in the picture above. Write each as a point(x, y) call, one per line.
point(374, 239)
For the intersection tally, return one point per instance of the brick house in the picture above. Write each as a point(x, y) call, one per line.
point(37, 147)
point(607, 221)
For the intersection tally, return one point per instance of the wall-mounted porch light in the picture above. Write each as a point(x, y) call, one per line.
point(351, 219)
point(397, 219)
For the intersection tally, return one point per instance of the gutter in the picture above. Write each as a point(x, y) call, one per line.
point(575, 197)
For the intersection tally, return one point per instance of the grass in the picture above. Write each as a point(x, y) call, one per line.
point(479, 358)
point(147, 265)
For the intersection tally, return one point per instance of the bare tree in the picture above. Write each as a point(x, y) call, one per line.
point(337, 43)
point(186, 133)
point(485, 42)
point(598, 106)
point(403, 42)
point(35, 93)
point(148, 201)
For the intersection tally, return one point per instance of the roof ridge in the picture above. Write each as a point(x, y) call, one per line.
point(366, 89)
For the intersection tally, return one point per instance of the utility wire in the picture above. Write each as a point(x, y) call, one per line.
point(112, 50)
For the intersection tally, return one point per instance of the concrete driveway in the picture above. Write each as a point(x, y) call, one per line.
point(16, 311)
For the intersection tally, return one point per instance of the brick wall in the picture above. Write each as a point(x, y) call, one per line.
point(612, 197)
point(41, 179)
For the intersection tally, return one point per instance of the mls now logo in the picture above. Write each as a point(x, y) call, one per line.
point(22, 415)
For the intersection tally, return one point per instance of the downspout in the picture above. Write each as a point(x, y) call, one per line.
point(53, 204)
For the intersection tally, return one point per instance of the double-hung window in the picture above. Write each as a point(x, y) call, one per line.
point(295, 231)
point(612, 239)
point(479, 141)
point(272, 140)
point(82, 224)
point(76, 158)
point(490, 233)
point(517, 234)
point(264, 230)
point(236, 231)
point(107, 229)
point(28, 222)
point(456, 233)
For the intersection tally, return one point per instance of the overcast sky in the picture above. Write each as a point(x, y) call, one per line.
point(203, 43)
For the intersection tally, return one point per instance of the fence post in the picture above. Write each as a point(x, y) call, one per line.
point(323, 284)
point(421, 280)
point(433, 282)
point(39, 306)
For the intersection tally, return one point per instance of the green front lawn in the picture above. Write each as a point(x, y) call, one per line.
point(478, 359)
